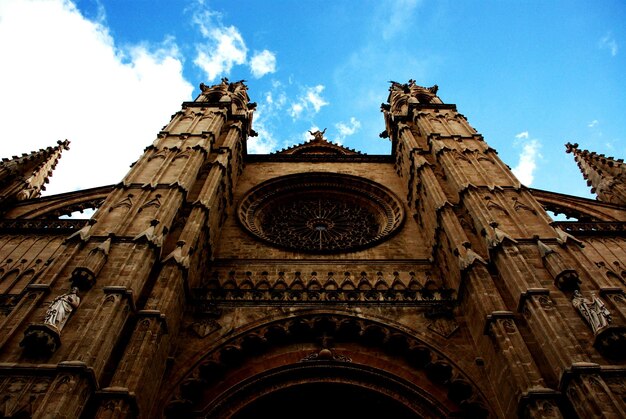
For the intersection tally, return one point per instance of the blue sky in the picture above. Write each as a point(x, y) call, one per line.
point(107, 75)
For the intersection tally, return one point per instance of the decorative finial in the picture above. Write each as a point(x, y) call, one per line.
point(569, 147)
point(318, 135)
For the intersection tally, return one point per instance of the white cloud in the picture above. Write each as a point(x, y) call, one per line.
point(224, 46)
point(593, 123)
point(263, 63)
point(608, 42)
point(264, 142)
point(275, 99)
point(313, 96)
point(68, 79)
point(398, 17)
point(347, 129)
point(296, 110)
point(527, 162)
point(310, 101)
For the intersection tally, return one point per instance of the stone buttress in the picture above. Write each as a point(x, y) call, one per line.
point(495, 243)
point(133, 264)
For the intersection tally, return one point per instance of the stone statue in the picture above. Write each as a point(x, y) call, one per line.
point(318, 135)
point(61, 308)
point(594, 311)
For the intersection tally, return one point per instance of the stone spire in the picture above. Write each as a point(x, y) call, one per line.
point(24, 177)
point(605, 175)
point(403, 95)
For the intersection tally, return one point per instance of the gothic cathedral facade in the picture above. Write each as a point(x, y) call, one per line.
point(313, 281)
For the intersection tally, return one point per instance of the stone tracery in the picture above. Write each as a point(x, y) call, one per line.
point(320, 223)
point(321, 213)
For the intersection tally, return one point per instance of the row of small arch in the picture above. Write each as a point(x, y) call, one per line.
point(328, 284)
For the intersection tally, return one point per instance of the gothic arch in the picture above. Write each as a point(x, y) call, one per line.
point(353, 352)
point(582, 209)
point(54, 206)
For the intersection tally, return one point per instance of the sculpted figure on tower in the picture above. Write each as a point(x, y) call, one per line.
point(61, 308)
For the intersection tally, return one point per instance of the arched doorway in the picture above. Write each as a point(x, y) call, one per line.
point(316, 360)
point(326, 389)
point(325, 400)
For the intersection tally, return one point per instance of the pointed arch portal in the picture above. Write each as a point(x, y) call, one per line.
point(324, 365)
point(325, 389)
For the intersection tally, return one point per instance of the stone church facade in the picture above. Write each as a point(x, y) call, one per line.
point(318, 280)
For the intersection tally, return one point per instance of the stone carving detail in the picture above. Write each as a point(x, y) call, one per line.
point(205, 327)
point(590, 228)
point(125, 203)
point(407, 291)
point(593, 311)
point(444, 326)
point(320, 224)
point(321, 213)
point(84, 276)
point(326, 353)
point(61, 308)
point(43, 339)
point(21, 395)
point(49, 226)
point(318, 135)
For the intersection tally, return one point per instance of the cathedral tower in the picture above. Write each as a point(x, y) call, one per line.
point(317, 279)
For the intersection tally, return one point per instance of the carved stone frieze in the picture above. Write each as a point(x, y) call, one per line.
point(43, 225)
point(596, 228)
point(377, 290)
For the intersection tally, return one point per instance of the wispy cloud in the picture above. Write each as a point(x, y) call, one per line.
point(311, 102)
point(274, 99)
point(398, 15)
point(527, 163)
point(314, 97)
point(263, 63)
point(593, 123)
point(346, 129)
point(296, 110)
point(264, 142)
point(223, 48)
point(81, 60)
point(609, 43)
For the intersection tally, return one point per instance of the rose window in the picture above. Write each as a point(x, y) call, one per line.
point(321, 212)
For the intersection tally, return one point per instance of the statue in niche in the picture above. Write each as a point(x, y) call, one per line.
point(593, 310)
point(60, 309)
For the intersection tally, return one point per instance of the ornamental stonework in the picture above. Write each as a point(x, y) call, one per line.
point(321, 213)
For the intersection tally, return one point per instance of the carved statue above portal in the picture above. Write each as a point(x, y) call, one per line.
point(61, 307)
point(593, 310)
